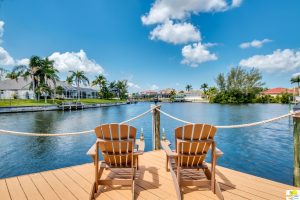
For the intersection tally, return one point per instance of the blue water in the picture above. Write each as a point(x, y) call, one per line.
point(265, 151)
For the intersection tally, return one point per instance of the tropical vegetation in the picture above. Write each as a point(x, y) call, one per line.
point(43, 78)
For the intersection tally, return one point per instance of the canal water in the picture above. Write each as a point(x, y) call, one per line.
point(265, 151)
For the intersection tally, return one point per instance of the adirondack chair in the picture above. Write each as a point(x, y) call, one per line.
point(192, 143)
point(117, 145)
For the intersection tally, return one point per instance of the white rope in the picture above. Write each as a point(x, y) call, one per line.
point(66, 134)
point(44, 134)
point(234, 126)
point(139, 116)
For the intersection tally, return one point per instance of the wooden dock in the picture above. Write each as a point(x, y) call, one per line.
point(152, 183)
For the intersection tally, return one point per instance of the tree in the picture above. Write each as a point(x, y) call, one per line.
point(172, 95)
point(30, 71)
point(296, 79)
point(239, 86)
point(43, 89)
point(78, 77)
point(100, 80)
point(221, 82)
point(204, 87)
point(59, 90)
point(122, 87)
point(3, 72)
point(188, 87)
point(211, 93)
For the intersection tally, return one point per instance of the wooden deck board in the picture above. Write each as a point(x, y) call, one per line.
point(152, 182)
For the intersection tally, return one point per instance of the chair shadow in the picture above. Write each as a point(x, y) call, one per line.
point(140, 183)
point(225, 185)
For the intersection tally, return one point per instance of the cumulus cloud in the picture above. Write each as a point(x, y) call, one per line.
point(254, 43)
point(24, 61)
point(134, 86)
point(5, 58)
point(154, 87)
point(1, 30)
point(164, 10)
point(178, 33)
point(67, 61)
point(282, 60)
point(196, 54)
point(236, 3)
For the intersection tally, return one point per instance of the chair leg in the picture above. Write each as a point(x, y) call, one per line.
point(93, 191)
point(218, 191)
point(167, 163)
point(133, 182)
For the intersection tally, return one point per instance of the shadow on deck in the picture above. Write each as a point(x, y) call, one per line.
point(152, 182)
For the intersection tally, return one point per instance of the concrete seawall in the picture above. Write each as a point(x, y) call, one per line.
point(17, 109)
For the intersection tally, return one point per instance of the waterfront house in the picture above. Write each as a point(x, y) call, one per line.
point(193, 96)
point(274, 92)
point(20, 89)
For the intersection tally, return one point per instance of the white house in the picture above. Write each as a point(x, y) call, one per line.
point(20, 89)
point(193, 96)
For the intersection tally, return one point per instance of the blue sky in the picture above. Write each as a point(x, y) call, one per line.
point(155, 44)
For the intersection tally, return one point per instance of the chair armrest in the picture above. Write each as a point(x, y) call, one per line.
point(165, 144)
point(219, 153)
point(92, 151)
point(140, 147)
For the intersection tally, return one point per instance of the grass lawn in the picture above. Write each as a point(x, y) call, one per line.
point(30, 102)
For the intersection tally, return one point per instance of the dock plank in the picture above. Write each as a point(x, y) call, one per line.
point(15, 189)
point(4, 193)
point(152, 183)
point(29, 188)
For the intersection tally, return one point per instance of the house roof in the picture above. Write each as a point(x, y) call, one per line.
point(22, 84)
point(278, 91)
point(11, 84)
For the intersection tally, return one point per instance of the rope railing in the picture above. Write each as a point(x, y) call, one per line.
point(233, 126)
point(139, 116)
point(67, 134)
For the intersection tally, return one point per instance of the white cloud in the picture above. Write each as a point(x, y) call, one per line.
point(254, 43)
point(1, 30)
point(164, 10)
point(178, 33)
point(154, 87)
point(67, 61)
point(295, 75)
point(24, 61)
point(134, 86)
point(196, 54)
point(5, 58)
point(282, 60)
point(236, 3)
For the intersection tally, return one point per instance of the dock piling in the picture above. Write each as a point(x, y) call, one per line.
point(296, 180)
point(156, 127)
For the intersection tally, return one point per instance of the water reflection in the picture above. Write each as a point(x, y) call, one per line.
point(263, 150)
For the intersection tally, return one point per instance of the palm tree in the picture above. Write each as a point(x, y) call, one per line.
point(48, 74)
point(204, 86)
point(188, 87)
point(31, 71)
point(296, 79)
point(77, 77)
point(100, 80)
point(112, 86)
point(43, 89)
point(2, 72)
point(122, 88)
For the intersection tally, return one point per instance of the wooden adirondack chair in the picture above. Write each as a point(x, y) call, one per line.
point(116, 143)
point(192, 143)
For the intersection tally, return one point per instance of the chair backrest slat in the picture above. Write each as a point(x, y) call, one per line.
point(116, 142)
point(193, 142)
